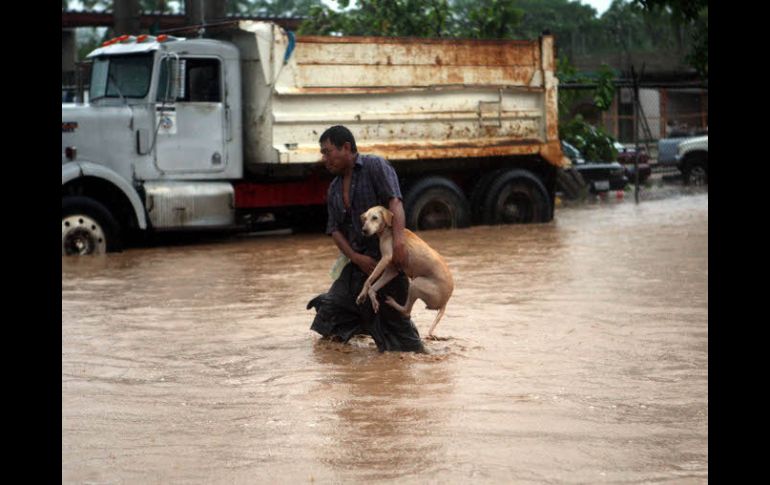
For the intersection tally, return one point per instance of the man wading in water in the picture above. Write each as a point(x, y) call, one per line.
point(361, 182)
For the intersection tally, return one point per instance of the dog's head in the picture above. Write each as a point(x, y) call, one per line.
point(375, 220)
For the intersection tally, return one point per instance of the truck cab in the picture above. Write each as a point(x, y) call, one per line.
point(163, 113)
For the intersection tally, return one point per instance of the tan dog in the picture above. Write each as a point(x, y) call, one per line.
point(430, 278)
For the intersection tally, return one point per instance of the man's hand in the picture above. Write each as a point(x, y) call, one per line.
point(366, 263)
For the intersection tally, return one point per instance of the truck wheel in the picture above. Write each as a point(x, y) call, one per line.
point(694, 168)
point(87, 227)
point(517, 197)
point(571, 184)
point(479, 195)
point(436, 203)
point(695, 174)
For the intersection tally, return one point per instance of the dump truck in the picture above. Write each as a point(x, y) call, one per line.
point(221, 132)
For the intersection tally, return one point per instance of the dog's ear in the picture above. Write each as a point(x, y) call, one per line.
point(387, 216)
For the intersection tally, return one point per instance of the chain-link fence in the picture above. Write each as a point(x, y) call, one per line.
point(661, 110)
point(659, 113)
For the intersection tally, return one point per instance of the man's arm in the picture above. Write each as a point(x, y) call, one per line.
point(399, 247)
point(366, 263)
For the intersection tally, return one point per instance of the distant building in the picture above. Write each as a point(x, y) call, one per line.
point(671, 96)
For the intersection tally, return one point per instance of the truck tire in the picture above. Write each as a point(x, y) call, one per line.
point(87, 227)
point(479, 195)
point(571, 184)
point(436, 203)
point(695, 170)
point(517, 197)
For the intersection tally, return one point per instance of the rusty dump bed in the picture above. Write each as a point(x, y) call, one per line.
point(406, 98)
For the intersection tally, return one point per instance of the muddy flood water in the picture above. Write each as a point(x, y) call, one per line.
point(573, 352)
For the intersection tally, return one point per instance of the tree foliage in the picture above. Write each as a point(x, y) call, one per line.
point(682, 10)
point(563, 18)
point(602, 93)
point(479, 19)
point(692, 15)
point(605, 88)
point(699, 55)
point(485, 19)
point(272, 8)
point(593, 142)
point(409, 18)
point(670, 27)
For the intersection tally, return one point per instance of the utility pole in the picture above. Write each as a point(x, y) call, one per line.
point(639, 120)
point(636, 134)
point(193, 11)
point(126, 14)
point(204, 12)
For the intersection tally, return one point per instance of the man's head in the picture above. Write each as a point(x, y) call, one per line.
point(338, 149)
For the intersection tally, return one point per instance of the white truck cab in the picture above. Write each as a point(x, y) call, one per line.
point(131, 157)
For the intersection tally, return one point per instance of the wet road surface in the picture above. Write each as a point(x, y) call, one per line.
point(573, 352)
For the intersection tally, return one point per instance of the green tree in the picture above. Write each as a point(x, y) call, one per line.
point(624, 27)
point(485, 19)
point(601, 93)
point(592, 141)
point(683, 10)
point(692, 14)
point(272, 8)
point(573, 24)
point(408, 18)
point(632, 27)
point(699, 55)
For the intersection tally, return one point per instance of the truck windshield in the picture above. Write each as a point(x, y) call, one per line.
point(121, 76)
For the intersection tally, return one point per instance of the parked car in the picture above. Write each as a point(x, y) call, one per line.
point(626, 157)
point(692, 159)
point(667, 147)
point(600, 176)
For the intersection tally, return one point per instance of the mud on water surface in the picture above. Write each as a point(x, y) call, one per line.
point(572, 352)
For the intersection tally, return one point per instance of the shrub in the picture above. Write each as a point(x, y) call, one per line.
point(593, 142)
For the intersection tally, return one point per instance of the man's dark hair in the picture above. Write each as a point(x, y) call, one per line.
point(337, 136)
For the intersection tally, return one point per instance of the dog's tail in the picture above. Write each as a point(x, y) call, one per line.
point(435, 322)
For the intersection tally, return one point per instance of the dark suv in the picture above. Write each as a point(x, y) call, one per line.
point(600, 176)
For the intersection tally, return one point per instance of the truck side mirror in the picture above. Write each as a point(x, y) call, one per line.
point(172, 82)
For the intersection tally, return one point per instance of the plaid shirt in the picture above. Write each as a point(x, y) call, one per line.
point(374, 183)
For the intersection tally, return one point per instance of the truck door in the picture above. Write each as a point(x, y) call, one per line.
point(191, 131)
